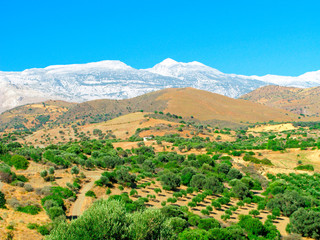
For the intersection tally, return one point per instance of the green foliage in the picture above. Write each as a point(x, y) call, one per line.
point(253, 159)
point(198, 181)
point(305, 223)
point(109, 218)
point(193, 234)
point(307, 167)
point(19, 162)
point(170, 180)
point(214, 184)
point(288, 202)
point(30, 209)
point(55, 212)
point(240, 190)
point(90, 194)
point(208, 223)
point(2, 200)
point(251, 225)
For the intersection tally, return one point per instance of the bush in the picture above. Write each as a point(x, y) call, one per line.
point(109, 220)
point(251, 225)
point(90, 194)
point(178, 224)
point(305, 223)
point(214, 184)
point(30, 209)
point(193, 234)
point(307, 167)
point(20, 162)
point(198, 181)
point(43, 173)
point(55, 212)
point(170, 180)
point(32, 225)
point(28, 188)
point(43, 230)
point(240, 190)
point(208, 223)
point(2, 200)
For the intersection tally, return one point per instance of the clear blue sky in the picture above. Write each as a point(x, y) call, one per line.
point(245, 37)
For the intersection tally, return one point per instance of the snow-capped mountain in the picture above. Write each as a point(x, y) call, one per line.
point(309, 79)
point(116, 80)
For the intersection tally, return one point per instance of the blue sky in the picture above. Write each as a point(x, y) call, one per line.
point(244, 37)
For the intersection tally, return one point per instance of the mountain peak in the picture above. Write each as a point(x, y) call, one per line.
point(168, 62)
point(106, 64)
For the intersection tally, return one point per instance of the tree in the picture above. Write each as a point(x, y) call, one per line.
point(133, 192)
point(306, 223)
point(192, 204)
point(212, 183)
point(124, 177)
point(75, 170)
point(148, 166)
point(170, 180)
point(261, 205)
point(288, 202)
point(186, 175)
point(55, 212)
point(208, 223)
point(43, 173)
point(254, 212)
point(178, 224)
point(276, 212)
point(240, 204)
point(193, 234)
point(225, 217)
point(20, 162)
point(109, 220)
point(198, 181)
point(216, 205)
point(240, 190)
point(3, 149)
point(224, 168)
point(234, 174)
point(51, 170)
point(251, 225)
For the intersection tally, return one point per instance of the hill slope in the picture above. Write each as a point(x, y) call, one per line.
point(297, 100)
point(191, 104)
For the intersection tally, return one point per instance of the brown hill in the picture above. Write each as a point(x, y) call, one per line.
point(33, 115)
point(189, 103)
point(303, 101)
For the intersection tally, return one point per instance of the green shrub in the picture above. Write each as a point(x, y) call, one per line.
point(2, 200)
point(307, 167)
point(32, 225)
point(30, 209)
point(19, 162)
point(55, 212)
point(90, 194)
point(208, 223)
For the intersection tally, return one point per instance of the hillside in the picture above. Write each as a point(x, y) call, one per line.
point(33, 116)
point(189, 103)
point(297, 100)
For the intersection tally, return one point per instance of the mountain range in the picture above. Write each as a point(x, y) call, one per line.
point(116, 80)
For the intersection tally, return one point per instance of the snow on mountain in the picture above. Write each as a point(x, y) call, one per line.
point(309, 79)
point(116, 80)
point(198, 75)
